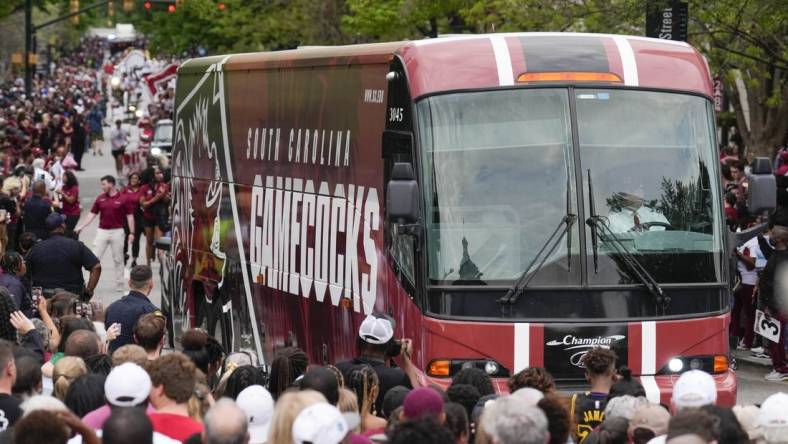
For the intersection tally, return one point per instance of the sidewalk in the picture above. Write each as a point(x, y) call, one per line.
point(89, 188)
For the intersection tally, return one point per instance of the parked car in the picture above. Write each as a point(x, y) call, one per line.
point(161, 145)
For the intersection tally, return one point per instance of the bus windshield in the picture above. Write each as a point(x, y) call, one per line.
point(499, 176)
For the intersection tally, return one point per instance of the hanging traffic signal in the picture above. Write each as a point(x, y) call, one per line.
point(221, 6)
point(73, 8)
point(171, 9)
point(147, 5)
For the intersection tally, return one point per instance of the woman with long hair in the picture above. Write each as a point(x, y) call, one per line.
point(132, 193)
point(288, 364)
point(287, 409)
point(68, 196)
point(65, 372)
point(364, 382)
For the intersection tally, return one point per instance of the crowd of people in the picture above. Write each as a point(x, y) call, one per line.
point(79, 373)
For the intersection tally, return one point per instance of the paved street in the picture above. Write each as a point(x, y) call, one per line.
point(89, 187)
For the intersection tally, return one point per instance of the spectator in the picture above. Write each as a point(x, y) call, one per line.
point(731, 432)
point(225, 423)
point(36, 209)
point(376, 344)
point(28, 377)
point(127, 385)
point(423, 402)
point(349, 404)
point(421, 431)
point(623, 406)
point(288, 364)
point(363, 381)
point(287, 408)
point(693, 421)
point(41, 427)
point(66, 371)
point(131, 307)
point(768, 285)
point(475, 377)
point(510, 421)
point(648, 422)
point(613, 431)
point(119, 139)
point(154, 197)
point(323, 423)
point(149, 333)
point(173, 379)
point(773, 418)
point(588, 407)
point(258, 405)
point(99, 364)
point(694, 388)
point(57, 262)
point(626, 385)
point(457, 422)
point(396, 397)
point(132, 193)
point(68, 196)
point(243, 377)
point(534, 377)
point(111, 209)
point(128, 425)
point(14, 269)
point(130, 353)
point(321, 379)
point(85, 394)
point(9, 405)
point(559, 422)
point(748, 419)
point(82, 344)
point(204, 350)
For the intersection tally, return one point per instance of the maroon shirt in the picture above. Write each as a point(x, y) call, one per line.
point(71, 209)
point(112, 210)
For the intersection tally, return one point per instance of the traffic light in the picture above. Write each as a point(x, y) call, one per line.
point(171, 9)
point(147, 6)
point(73, 8)
point(221, 6)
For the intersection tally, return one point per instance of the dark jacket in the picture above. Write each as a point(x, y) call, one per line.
point(775, 269)
point(126, 311)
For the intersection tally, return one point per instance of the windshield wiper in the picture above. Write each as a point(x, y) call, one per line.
point(636, 269)
point(514, 292)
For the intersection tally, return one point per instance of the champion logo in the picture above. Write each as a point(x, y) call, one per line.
point(579, 346)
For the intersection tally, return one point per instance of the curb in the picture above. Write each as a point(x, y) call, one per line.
point(746, 356)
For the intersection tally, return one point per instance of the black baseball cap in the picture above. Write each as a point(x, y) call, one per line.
point(54, 221)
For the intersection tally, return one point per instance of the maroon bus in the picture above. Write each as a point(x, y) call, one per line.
point(511, 200)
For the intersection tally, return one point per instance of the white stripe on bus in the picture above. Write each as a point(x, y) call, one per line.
point(627, 60)
point(502, 60)
point(522, 346)
point(648, 360)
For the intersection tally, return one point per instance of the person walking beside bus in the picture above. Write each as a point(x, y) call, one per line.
point(750, 262)
point(68, 195)
point(112, 209)
point(770, 287)
point(132, 193)
point(119, 139)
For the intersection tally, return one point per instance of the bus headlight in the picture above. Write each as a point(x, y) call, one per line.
point(446, 368)
point(708, 363)
point(156, 151)
point(138, 113)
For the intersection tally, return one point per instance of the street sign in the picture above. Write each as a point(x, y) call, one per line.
point(767, 326)
point(667, 19)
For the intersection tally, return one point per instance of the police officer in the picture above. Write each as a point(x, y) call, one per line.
point(57, 262)
point(131, 307)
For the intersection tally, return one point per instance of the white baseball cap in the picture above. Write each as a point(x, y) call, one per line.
point(127, 385)
point(323, 423)
point(376, 329)
point(774, 411)
point(258, 405)
point(694, 388)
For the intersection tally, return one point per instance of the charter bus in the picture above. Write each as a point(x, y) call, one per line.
point(511, 200)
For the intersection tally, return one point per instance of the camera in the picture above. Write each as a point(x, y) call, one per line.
point(36, 294)
point(394, 348)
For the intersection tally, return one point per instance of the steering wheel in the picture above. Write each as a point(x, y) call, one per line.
point(646, 226)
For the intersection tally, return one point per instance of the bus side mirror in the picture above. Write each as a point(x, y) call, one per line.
point(402, 194)
point(762, 188)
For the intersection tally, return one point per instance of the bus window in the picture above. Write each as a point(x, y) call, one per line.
point(650, 156)
point(497, 173)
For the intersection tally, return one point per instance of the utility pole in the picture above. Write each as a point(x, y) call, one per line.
point(28, 43)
